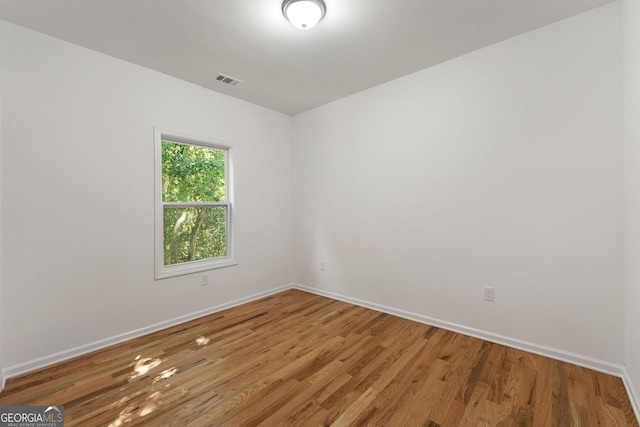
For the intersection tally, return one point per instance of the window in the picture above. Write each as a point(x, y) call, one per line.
point(193, 205)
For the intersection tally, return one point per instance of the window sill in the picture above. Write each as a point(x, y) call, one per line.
point(193, 267)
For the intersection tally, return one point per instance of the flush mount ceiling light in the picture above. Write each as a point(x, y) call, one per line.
point(303, 14)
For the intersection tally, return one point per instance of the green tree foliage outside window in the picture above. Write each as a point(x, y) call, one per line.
point(195, 208)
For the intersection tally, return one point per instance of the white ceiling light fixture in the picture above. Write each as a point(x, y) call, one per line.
point(304, 14)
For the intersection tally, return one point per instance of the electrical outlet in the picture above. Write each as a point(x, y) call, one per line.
point(488, 293)
point(323, 266)
point(204, 280)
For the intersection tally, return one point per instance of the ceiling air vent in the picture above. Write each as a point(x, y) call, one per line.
point(228, 80)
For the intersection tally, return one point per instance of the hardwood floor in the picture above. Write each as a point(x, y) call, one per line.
point(300, 359)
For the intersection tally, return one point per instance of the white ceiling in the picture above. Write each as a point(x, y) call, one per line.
point(358, 45)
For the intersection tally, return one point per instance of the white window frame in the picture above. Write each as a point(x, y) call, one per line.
point(163, 271)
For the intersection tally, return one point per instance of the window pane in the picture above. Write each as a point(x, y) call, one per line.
point(193, 234)
point(192, 174)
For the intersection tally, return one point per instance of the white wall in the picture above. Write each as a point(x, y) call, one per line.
point(631, 25)
point(502, 167)
point(77, 169)
point(1, 301)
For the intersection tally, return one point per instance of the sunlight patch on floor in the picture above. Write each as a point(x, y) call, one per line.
point(165, 374)
point(141, 366)
point(202, 341)
point(144, 365)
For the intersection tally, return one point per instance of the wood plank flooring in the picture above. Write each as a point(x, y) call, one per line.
point(298, 359)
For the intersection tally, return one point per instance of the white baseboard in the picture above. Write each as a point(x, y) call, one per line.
point(562, 355)
point(61, 356)
point(634, 397)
